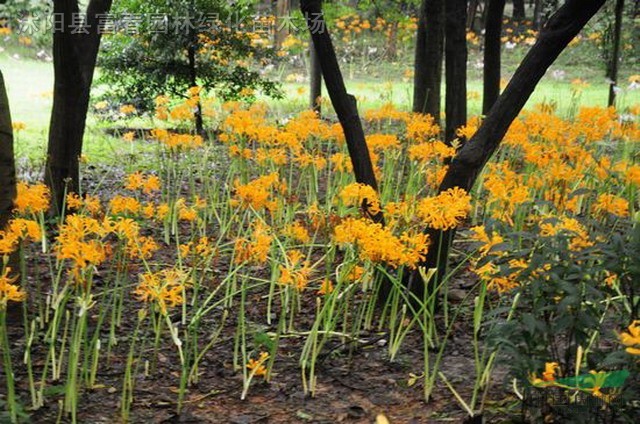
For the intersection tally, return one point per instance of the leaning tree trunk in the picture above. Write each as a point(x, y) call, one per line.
point(615, 54)
point(492, 46)
point(315, 81)
point(464, 169)
point(7, 161)
point(455, 67)
point(471, 13)
point(428, 59)
point(74, 59)
point(344, 103)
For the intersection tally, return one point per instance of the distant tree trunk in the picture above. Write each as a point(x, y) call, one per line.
point(456, 67)
point(471, 12)
point(428, 59)
point(519, 13)
point(193, 82)
point(464, 169)
point(7, 161)
point(615, 54)
point(281, 30)
point(315, 80)
point(344, 103)
point(537, 14)
point(492, 46)
point(74, 59)
point(392, 42)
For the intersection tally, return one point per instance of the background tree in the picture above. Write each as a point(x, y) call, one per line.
point(455, 67)
point(612, 70)
point(75, 49)
point(182, 49)
point(428, 58)
point(519, 10)
point(7, 161)
point(465, 167)
point(492, 54)
point(315, 80)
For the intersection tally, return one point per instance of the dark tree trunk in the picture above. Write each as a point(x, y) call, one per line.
point(428, 59)
point(7, 161)
point(471, 13)
point(519, 13)
point(537, 14)
point(315, 80)
point(456, 67)
point(344, 103)
point(492, 46)
point(615, 54)
point(74, 60)
point(193, 81)
point(464, 169)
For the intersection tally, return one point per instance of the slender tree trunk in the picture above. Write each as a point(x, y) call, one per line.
point(471, 13)
point(456, 67)
point(464, 169)
point(315, 80)
point(428, 59)
point(193, 81)
point(615, 55)
point(74, 59)
point(537, 14)
point(281, 30)
point(519, 13)
point(7, 161)
point(492, 46)
point(392, 42)
point(344, 103)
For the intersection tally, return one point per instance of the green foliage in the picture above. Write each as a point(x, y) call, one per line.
point(169, 56)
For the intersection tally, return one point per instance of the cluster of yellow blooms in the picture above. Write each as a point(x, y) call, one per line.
point(631, 338)
point(377, 244)
point(445, 211)
point(257, 249)
point(258, 193)
point(8, 290)
point(164, 289)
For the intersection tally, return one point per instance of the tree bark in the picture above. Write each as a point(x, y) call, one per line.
point(281, 30)
point(471, 13)
point(428, 59)
point(537, 14)
point(74, 59)
point(344, 103)
point(315, 80)
point(455, 67)
point(519, 13)
point(615, 54)
point(492, 46)
point(7, 160)
point(464, 169)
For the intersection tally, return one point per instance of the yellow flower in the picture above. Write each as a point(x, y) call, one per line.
point(124, 205)
point(357, 194)
point(298, 232)
point(257, 366)
point(608, 203)
point(164, 289)
point(32, 198)
point(9, 291)
point(127, 109)
point(326, 287)
point(377, 243)
point(445, 211)
point(18, 126)
point(631, 338)
point(257, 250)
point(550, 369)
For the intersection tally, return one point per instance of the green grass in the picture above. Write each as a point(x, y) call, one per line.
point(30, 85)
